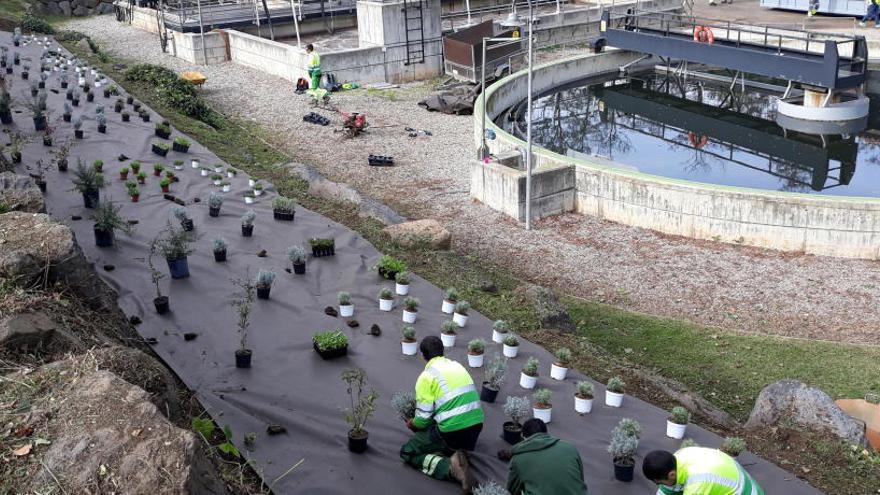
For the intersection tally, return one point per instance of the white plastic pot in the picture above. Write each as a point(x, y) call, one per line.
point(178, 167)
point(401, 289)
point(218, 170)
point(613, 399)
point(544, 415)
point(230, 175)
point(227, 187)
point(248, 200)
point(386, 304)
point(510, 351)
point(497, 336)
point(526, 381)
point(448, 339)
point(583, 406)
point(195, 163)
point(409, 348)
point(346, 310)
point(674, 430)
point(93, 72)
point(205, 172)
point(558, 372)
point(97, 84)
point(475, 360)
point(448, 307)
point(410, 316)
point(258, 192)
point(460, 319)
point(218, 182)
point(251, 182)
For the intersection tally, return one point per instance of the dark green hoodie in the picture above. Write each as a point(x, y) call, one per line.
point(544, 465)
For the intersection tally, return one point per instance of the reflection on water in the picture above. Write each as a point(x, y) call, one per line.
point(701, 130)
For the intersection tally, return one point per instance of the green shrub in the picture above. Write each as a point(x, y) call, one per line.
point(175, 92)
point(33, 24)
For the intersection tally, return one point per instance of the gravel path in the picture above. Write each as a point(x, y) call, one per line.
point(733, 287)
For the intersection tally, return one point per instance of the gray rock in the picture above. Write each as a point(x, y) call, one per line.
point(427, 232)
point(795, 402)
point(52, 9)
point(27, 330)
point(65, 8)
point(20, 193)
point(80, 11)
point(105, 8)
point(488, 286)
point(91, 3)
point(76, 3)
point(549, 310)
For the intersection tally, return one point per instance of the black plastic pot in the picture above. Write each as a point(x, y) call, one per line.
point(145, 117)
point(284, 216)
point(91, 198)
point(78, 133)
point(159, 151)
point(263, 292)
point(41, 84)
point(103, 238)
point(64, 85)
point(24, 75)
point(126, 117)
point(317, 252)
point(67, 117)
point(9, 70)
point(624, 473)
point(512, 432)
point(90, 97)
point(106, 93)
point(358, 444)
point(75, 102)
point(6, 118)
point(16, 157)
point(162, 133)
point(179, 268)
point(243, 358)
point(42, 185)
point(129, 100)
point(487, 394)
point(247, 230)
point(35, 92)
point(118, 107)
point(102, 129)
point(387, 274)
point(40, 123)
point(331, 354)
point(187, 224)
point(62, 165)
point(162, 305)
point(180, 148)
point(214, 212)
point(47, 141)
point(136, 107)
point(220, 256)
point(299, 268)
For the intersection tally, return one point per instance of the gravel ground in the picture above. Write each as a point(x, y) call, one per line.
point(728, 286)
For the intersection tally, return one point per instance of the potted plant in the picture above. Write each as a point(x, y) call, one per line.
point(162, 129)
point(135, 167)
point(247, 223)
point(614, 391)
point(529, 376)
point(401, 283)
point(511, 346)
point(77, 127)
point(123, 174)
point(493, 378)
point(389, 266)
point(410, 309)
point(89, 183)
point(346, 308)
point(181, 144)
point(543, 407)
point(460, 316)
point(408, 344)
point(225, 186)
point(160, 149)
point(448, 331)
point(476, 349)
point(583, 397)
point(517, 409)
point(160, 302)
point(141, 177)
point(404, 404)
point(171, 176)
point(559, 368)
point(623, 450)
point(130, 100)
point(5, 104)
point(243, 303)
point(386, 299)
point(499, 330)
point(40, 174)
point(178, 165)
point(215, 201)
point(131, 188)
point(322, 247)
point(157, 169)
point(231, 173)
point(98, 165)
point(17, 140)
point(205, 171)
point(194, 163)
point(330, 344)
point(37, 107)
point(145, 115)
point(264, 281)
point(183, 217)
point(174, 246)
point(362, 407)
point(258, 189)
point(217, 179)
point(61, 153)
point(101, 120)
point(733, 446)
point(107, 221)
point(165, 184)
point(219, 247)
point(248, 198)
point(297, 256)
point(67, 112)
point(126, 117)
point(449, 300)
point(283, 209)
point(90, 97)
point(74, 97)
point(118, 106)
point(677, 422)
point(218, 168)
point(47, 135)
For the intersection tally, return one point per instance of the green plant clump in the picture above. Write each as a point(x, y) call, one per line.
point(733, 446)
point(584, 390)
point(616, 385)
point(543, 397)
point(390, 264)
point(449, 327)
point(107, 218)
point(531, 365)
point(679, 415)
point(330, 340)
point(175, 92)
point(476, 347)
point(283, 205)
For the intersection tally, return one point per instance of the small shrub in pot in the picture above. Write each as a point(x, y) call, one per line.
point(559, 368)
point(499, 330)
point(401, 283)
point(165, 185)
point(89, 183)
point(181, 144)
point(410, 309)
point(460, 315)
point(677, 422)
point(77, 127)
point(448, 332)
point(141, 177)
point(542, 408)
point(183, 217)
point(107, 222)
point(623, 450)
point(346, 308)
point(330, 344)
point(163, 129)
point(283, 209)
point(215, 201)
point(264, 281)
point(160, 149)
point(386, 299)
point(297, 256)
point(389, 266)
point(123, 174)
point(583, 397)
point(160, 302)
point(157, 169)
point(529, 376)
point(322, 247)
point(733, 446)
point(131, 188)
point(476, 351)
point(363, 405)
point(614, 391)
point(449, 300)
point(243, 302)
point(408, 344)
point(101, 120)
point(493, 377)
point(247, 223)
point(511, 346)
point(219, 247)
point(174, 245)
point(517, 409)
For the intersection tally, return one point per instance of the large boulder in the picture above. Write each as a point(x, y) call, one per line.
point(549, 310)
point(795, 402)
point(427, 232)
point(65, 8)
point(26, 331)
point(20, 193)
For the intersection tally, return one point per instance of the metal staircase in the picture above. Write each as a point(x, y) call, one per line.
point(414, 31)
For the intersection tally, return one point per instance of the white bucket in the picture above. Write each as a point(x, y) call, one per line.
point(218, 182)
point(583, 406)
point(248, 200)
point(558, 372)
point(195, 164)
point(448, 340)
point(178, 167)
point(230, 175)
point(251, 182)
point(526, 381)
point(410, 316)
point(258, 192)
point(409, 348)
point(227, 187)
point(498, 337)
point(459, 319)
point(510, 351)
point(218, 170)
point(475, 360)
point(205, 172)
point(674, 430)
point(448, 307)
point(386, 304)
point(401, 289)
point(346, 310)
point(613, 399)
point(543, 414)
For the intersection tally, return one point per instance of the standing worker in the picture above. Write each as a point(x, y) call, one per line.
point(448, 418)
point(544, 465)
point(314, 67)
point(871, 14)
point(698, 471)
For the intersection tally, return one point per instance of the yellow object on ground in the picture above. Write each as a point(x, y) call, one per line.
point(194, 77)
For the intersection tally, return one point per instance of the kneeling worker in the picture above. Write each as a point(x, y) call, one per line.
point(448, 418)
point(698, 471)
point(544, 465)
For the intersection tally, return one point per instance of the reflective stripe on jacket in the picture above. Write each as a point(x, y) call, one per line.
point(702, 471)
point(445, 394)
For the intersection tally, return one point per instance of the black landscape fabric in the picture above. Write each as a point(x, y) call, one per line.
point(289, 384)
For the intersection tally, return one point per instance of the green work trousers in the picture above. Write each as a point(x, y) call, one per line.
point(315, 75)
point(427, 453)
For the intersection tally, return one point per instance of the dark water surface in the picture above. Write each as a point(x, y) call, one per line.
point(699, 130)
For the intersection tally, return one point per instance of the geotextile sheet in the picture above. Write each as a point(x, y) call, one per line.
point(289, 384)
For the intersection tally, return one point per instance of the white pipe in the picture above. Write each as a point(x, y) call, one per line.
point(529, 130)
point(295, 23)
